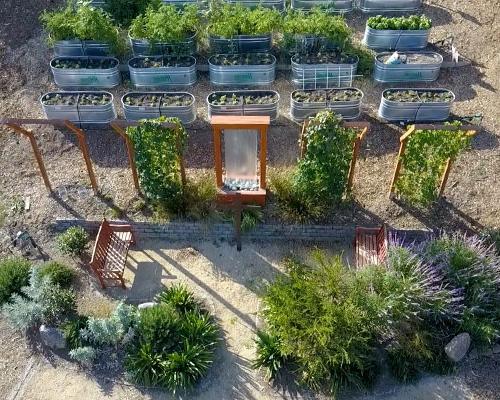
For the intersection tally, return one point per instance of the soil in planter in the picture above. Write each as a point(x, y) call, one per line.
point(414, 96)
point(142, 100)
point(90, 63)
point(321, 96)
point(94, 99)
point(60, 99)
point(224, 99)
point(260, 98)
point(157, 62)
point(176, 100)
point(412, 58)
point(242, 59)
point(322, 57)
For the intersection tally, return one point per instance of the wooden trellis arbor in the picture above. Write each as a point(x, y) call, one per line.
point(362, 127)
point(470, 130)
point(17, 126)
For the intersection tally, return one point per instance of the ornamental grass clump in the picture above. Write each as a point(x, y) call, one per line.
point(14, 275)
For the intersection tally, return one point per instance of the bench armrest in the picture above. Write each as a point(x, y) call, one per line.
point(120, 227)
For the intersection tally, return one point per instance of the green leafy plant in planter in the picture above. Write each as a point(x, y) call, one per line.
point(158, 150)
point(412, 22)
point(424, 161)
point(84, 23)
point(174, 343)
point(228, 20)
point(166, 24)
point(14, 274)
point(73, 241)
point(124, 11)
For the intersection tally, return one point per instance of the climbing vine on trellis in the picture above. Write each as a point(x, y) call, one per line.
point(322, 173)
point(158, 154)
point(424, 161)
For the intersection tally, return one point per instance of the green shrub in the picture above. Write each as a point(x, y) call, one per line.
point(174, 342)
point(71, 330)
point(58, 274)
point(320, 315)
point(14, 274)
point(73, 241)
point(84, 355)
point(200, 196)
point(166, 24)
point(250, 218)
point(124, 11)
point(269, 354)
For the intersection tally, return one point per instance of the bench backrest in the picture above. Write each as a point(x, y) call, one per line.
point(382, 243)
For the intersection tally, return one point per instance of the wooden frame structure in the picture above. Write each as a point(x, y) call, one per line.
point(363, 127)
point(470, 130)
point(257, 123)
point(17, 126)
point(120, 127)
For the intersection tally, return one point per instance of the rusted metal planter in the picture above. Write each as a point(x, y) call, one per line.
point(328, 75)
point(415, 111)
point(163, 76)
point(351, 109)
point(78, 112)
point(240, 44)
point(186, 113)
point(86, 77)
point(143, 47)
point(389, 6)
point(425, 71)
point(70, 48)
point(241, 108)
point(396, 39)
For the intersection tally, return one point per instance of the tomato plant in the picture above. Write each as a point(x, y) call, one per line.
point(424, 161)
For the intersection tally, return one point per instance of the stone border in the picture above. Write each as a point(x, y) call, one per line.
point(225, 231)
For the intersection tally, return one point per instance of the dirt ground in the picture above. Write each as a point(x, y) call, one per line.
point(230, 283)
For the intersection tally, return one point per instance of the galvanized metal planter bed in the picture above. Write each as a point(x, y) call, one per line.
point(147, 105)
point(417, 110)
point(243, 103)
point(160, 72)
point(84, 107)
point(386, 6)
point(421, 66)
point(341, 6)
point(87, 72)
point(323, 75)
point(260, 69)
point(143, 47)
point(277, 4)
point(69, 48)
point(240, 44)
point(396, 39)
point(344, 101)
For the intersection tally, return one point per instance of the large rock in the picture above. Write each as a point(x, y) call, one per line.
point(146, 305)
point(52, 337)
point(457, 348)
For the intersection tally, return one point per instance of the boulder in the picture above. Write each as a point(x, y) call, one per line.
point(457, 348)
point(52, 337)
point(147, 305)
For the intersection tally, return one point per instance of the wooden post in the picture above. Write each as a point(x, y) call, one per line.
point(444, 178)
point(130, 154)
point(402, 147)
point(303, 140)
point(36, 152)
point(218, 156)
point(263, 155)
point(238, 209)
point(80, 135)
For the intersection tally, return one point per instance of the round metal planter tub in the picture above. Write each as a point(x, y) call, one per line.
point(328, 75)
point(387, 6)
point(340, 6)
point(276, 4)
point(240, 44)
point(86, 77)
point(415, 111)
point(70, 48)
point(160, 77)
point(396, 39)
point(242, 75)
point(186, 113)
point(242, 109)
point(80, 113)
point(143, 47)
point(350, 109)
point(425, 69)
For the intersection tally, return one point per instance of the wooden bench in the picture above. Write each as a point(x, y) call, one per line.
point(110, 252)
point(370, 246)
